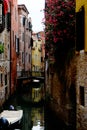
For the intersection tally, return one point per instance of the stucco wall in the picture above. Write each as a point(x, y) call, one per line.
point(5, 67)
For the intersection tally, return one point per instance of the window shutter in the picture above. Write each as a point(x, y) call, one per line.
point(31, 42)
point(30, 26)
point(17, 45)
point(23, 21)
point(2, 17)
point(80, 29)
point(8, 21)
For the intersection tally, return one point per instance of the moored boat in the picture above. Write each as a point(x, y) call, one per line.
point(10, 118)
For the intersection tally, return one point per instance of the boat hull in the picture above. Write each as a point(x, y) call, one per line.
point(14, 118)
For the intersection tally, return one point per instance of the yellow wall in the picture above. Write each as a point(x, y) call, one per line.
point(36, 94)
point(80, 3)
point(36, 54)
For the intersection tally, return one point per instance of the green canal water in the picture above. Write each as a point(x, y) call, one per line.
point(35, 117)
point(33, 114)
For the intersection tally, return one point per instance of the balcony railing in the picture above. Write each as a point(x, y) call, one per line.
point(29, 73)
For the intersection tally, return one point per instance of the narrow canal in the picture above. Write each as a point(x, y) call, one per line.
point(35, 117)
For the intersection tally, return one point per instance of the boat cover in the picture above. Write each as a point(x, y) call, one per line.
point(12, 115)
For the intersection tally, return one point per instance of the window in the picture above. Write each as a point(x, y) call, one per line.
point(5, 79)
point(41, 59)
point(31, 42)
point(24, 21)
point(26, 57)
point(29, 58)
point(8, 21)
point(2, 18)
point(30, 26)
point(82, 95)
point(17, 45)
point(22, 57)
point(0, 13)
point(1, 79)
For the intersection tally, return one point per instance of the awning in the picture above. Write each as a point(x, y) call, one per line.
point(6, 4)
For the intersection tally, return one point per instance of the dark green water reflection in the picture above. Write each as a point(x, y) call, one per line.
point(33, 115)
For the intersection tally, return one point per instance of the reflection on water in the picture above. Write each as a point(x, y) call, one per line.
point(37, 116)
point(33, 116)
point(38, 128)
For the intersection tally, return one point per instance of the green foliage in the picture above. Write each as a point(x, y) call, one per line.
point(1, 48)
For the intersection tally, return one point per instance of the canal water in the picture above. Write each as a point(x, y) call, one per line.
point(35, 117)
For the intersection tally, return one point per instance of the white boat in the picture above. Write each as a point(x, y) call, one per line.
point(14, 117)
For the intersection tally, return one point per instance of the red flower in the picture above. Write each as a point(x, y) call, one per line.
point(59, 21)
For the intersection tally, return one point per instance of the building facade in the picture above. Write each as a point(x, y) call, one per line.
point(42, 35)
point(5, 56)
point(38, 56)
point(60, 70)
point(81, 58)
point(68, 93)
point(38, 53)
point(25, 32)
point(13, 44)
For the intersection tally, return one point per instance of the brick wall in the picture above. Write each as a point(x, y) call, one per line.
point(81, 80)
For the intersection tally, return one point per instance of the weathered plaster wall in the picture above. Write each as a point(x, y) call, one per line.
point(63, 93)
point(81, 80)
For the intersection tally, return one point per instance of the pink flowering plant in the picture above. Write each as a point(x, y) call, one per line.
point(59, 23)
